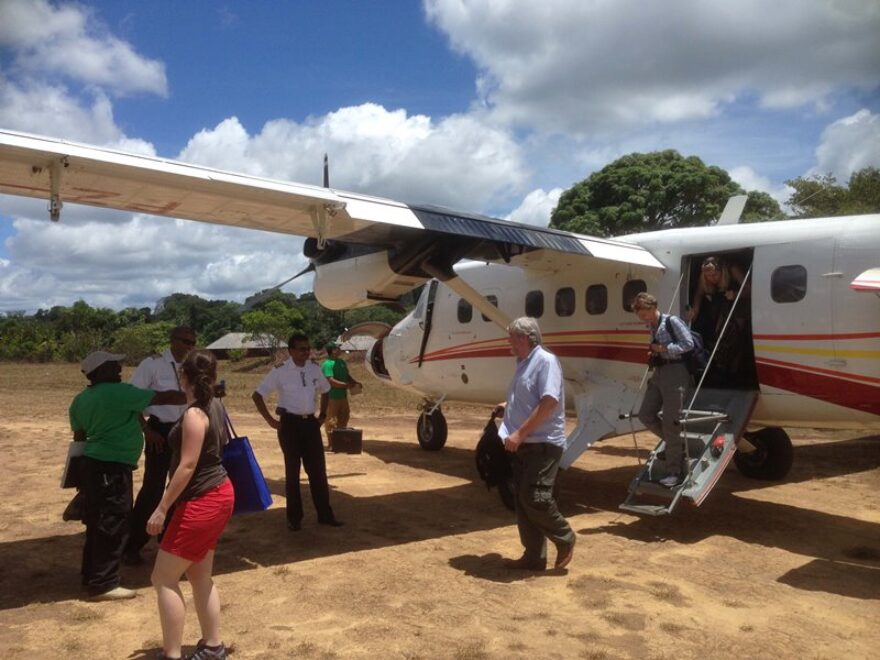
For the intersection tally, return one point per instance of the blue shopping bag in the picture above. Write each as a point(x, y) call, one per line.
point(251, 490)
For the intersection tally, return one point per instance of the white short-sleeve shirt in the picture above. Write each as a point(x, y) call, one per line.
point(296, 386)
point(159, 373)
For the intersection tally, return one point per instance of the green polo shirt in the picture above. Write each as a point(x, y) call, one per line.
point(335, 369)
point(108, 413)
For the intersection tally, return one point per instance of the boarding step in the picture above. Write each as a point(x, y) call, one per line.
point(708, 433)
point(646, 509)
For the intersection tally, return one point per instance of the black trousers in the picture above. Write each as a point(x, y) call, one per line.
point(107, 491)
point(156, 466)
point(300, 440)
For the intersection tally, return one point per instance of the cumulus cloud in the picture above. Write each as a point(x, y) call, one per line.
point(459, 161)
point(70, 42)
point(848, 145)
point(751, 180)
point(536, 208)
point(582, 67)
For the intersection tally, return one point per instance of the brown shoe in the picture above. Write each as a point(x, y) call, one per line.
point(525, 564)
point(564, 554)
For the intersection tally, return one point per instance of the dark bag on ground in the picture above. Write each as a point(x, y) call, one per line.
point(346, 440)
point(251, 490)
point(697, 358)
point(493, 463)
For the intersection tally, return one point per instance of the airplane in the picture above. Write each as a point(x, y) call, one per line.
point(813, 325)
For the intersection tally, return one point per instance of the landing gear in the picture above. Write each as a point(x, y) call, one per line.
point(431, 429)
point(771, 460)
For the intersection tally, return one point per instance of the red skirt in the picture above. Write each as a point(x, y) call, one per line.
point(196, 524)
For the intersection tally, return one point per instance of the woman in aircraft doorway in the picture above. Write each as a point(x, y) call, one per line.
point(716, 291)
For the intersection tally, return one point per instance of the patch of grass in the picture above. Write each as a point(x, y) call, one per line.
point(595, 653)
point(672, 628)
point(283, 569)
point(746, 628)
point(668, 593)
point(85, 615)
point(305, 648)
point(472, 651)
point(517, 646)
point(732, 602)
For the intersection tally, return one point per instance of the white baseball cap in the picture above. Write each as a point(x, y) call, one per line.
point(96, 359)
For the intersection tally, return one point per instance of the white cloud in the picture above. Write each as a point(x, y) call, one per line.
point(69, 41)
point(583, 67)
point(751, 180)
point(459, 161)
point(848, 145)
point(536, 208)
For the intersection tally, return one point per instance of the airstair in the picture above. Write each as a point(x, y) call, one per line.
point(710, 428)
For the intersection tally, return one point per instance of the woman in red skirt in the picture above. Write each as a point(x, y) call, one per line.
point(202, 499)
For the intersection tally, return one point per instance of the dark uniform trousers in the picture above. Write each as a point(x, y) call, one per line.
point(107, 490)
point(300, 440)
point(156, 466)
point(535, 466)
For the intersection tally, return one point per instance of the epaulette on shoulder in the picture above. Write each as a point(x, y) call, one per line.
point(279, 365)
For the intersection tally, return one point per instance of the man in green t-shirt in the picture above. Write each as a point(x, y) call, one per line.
point(335, 370)
point(106, 415)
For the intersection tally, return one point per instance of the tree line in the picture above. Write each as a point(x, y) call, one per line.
point(70, 333)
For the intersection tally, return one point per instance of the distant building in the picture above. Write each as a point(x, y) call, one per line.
point(243, 341)
point(357, 346)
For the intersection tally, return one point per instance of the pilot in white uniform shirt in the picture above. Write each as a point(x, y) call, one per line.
point(159, 373)
point(297, 387)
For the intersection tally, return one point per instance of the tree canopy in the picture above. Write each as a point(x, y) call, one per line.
point(821, 196)
point(70, 333)
point(647, 192)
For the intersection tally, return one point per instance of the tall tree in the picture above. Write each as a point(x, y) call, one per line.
point(646, 192)
point(820, 196)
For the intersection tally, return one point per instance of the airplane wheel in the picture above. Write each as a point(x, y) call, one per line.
point(772, 457)
point(431, 430)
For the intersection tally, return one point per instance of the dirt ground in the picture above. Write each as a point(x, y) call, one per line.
point(759, 571)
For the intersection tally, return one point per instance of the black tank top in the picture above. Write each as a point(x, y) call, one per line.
point(209, 471)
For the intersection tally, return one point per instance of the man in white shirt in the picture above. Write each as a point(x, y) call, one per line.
point(533, 431)
point(158, 372)
point(297, 382)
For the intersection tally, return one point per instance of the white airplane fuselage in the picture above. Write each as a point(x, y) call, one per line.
point(817, 358)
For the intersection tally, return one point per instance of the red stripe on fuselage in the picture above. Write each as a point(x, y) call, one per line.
point(833, 389)
point(822, 337)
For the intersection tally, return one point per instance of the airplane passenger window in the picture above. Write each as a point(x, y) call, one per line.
point(597, 299)
point(630, 290)
point(535, 304)
point(465, 311)
point(493, 300)
point(565, 301)
point(788, 284)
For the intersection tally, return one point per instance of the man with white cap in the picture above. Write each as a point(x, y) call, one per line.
point(106, 416)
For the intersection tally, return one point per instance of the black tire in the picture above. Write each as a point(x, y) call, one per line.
point(772, 457)
point(431, 430)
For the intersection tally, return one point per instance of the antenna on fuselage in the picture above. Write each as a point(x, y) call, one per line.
point(326, 172)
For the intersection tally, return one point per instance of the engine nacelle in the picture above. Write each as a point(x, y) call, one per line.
point(361, 280)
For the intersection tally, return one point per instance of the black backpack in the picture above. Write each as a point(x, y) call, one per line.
point(493, 463)
point(695, 359)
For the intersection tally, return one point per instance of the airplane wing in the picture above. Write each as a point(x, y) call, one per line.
point(65, 172)
point(867, 281)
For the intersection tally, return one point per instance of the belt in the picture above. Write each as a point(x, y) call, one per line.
point(668, 361)
point(296, 416)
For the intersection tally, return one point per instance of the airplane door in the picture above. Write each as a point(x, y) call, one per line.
point(792, 321)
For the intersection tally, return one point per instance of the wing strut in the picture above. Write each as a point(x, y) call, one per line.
point(55, 203)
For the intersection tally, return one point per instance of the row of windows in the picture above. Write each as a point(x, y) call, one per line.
point(564, 302)
point(787, 284)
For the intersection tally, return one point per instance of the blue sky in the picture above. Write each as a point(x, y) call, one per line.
point(488, 106)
